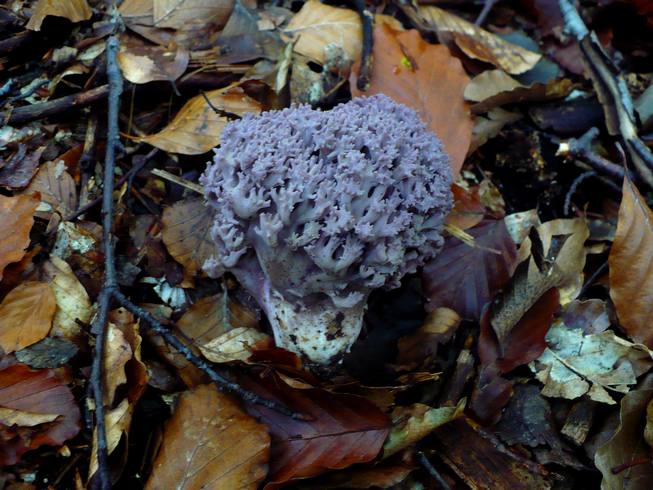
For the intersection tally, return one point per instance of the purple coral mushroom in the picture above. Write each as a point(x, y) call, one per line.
point(315, 209)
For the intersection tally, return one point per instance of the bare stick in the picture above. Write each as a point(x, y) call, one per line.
point(431, 470)
point(367, 20)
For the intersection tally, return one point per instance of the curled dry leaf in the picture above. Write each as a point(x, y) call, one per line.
point(32, 397)
point(235, 345)
point(464, 277)
point(575, 363)
point(26, 314)
point(627, 446)
point(344, 429)
point(16, 220)
point(210, 443)
point(475, 42)
point(428, 79)
point(73, 304)
point(141, 62)
point(177, 14)
point(73, 10)
point(186, 233)
point(196, 128)
point(413, 423)
point(21, 167)
point(631, 283)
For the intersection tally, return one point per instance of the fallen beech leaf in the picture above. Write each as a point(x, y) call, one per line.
point(465, 278)
point(538, 92)
point(631, 284)
point(235, 345)
point(345, 429)
point(73, 303)
point(117, 421)
point(186, 233)
point(118, 352)
point(73, 10)
point(57, 189)
point(196, 128)
point(488, 126)
point(210, 443)
point(26, 314)
point(474, 41)
point(413, 423)
point(177, 14)
point(575, 363)
point(428, 79)
point(141, 62)
point(488, 84)
point(16, 220)
point(22, 418)
point(627, 446)
point(35, 393)
point(316, 25)
point(384, 475)
point(468, 211)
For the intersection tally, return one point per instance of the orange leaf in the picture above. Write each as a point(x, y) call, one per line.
point(34, 393)
point(210, 443)
point(16, 220)
point(26, 313)
point(186, 233)
point(631, 281)
point(428, 79)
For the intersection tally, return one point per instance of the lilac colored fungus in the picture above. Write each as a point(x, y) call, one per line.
point(315, 209)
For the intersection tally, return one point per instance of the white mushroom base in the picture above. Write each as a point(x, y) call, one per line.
point(321, 332)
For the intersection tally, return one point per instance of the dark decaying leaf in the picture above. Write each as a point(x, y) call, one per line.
point(480, 460)
point(465, 278)
point(345, 429)
point(21, 167)
point(28, 394)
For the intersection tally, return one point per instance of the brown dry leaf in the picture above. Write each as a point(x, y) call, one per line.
point(26, 314)
point(73, 303)
point(21, 167)
point(196, 128)
point(428, 79)
point(16, 220)
point(141, 62)
point(488, 84)
point(210, 443)
point(177, 14)
point(474, 41)
point(486, 128)
point(35, 394)
point(118, 352)
point(117, 421)
point(186, 233)
point(631, 283)
point(627, 445)
point(73, 10)
point(57, 188)
point(235, 345)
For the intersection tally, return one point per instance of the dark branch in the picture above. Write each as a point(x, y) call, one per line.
point(367, 20)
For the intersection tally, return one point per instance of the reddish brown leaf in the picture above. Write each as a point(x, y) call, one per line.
point(345, 430)
point(428, 79)
point(465, 278)
point(35, 393)
point(16, 220)
point(210, 443)
point(525, 342)
point(631, 281)
point(26, 314)
point(142, 62)
point(490, 394)
point(467, 210)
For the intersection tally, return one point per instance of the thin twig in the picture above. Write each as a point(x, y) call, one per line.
point(217, 110)
point(178, 180)
point(435, 474)
point(574, 187)
point(581, 148)
point(487, 7)
point(367, 21)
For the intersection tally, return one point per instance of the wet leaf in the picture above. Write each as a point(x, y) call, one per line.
point(16, 220)
point(26, 313)
point(465, 278)
point(428, 79)
point(345, 430)
point(631, 283)
point(475, 42)
point(73, 10)
point(211, 443)
point(616, 457)
point(187, 233)
point(196, 128)
point(73, 304)
point(30, 395)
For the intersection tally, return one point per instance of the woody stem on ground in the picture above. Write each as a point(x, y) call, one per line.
point(367, 22)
